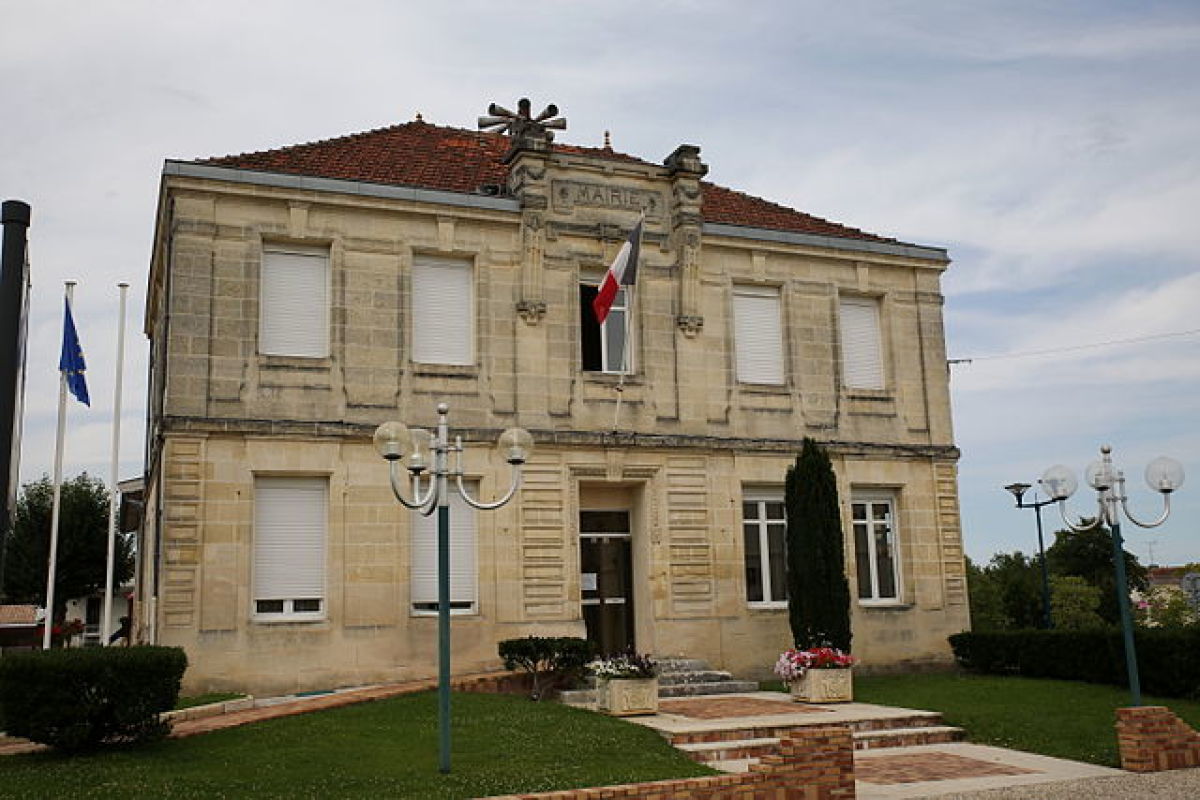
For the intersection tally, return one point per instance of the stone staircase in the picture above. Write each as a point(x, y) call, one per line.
point(735, 748)
point(678, 677)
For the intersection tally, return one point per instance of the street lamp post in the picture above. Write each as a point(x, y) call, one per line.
point(1018, 491)
point(394, 441)
point(1163, 475)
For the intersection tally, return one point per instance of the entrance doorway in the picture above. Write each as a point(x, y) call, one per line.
point(606, 578)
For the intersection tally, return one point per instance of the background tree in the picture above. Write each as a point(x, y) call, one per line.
point(1074, 602)
point(987, 608)
point(1006, 593)
point(818, 592)
point(1089, 555)
point(82, 543)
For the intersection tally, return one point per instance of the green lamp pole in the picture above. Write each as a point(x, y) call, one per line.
point(1163, 475)
point(394, 441)
point(1018, 491)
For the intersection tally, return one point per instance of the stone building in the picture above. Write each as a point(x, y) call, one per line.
point(298, 297)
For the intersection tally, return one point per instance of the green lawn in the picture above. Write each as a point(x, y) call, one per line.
point(382, 749)
point(1055, 718)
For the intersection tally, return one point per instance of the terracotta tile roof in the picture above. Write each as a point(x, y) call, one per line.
point(429, 156)
point(18, 615)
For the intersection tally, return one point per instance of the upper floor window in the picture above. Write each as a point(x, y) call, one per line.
point(876, 554)
point(289, 547)
point(463, 574)
point(443, 311)
point(764, 532)
point(862, 350)
point(293, 315)
point(758, 335)
point(604, 348)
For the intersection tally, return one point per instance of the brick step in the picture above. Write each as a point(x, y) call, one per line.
point(865, 727)
point(907, 737)
point(737, 755)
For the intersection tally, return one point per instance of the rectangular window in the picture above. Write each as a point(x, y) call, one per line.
point(862, 349)
point(876, 553)
point(463, 574)
point(293, 308)
point(443, 312)
point(290, 519)
point(758, 335)
point(764, 531)
point(603, 347)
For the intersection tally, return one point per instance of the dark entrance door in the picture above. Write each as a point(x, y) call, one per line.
point(607, 579)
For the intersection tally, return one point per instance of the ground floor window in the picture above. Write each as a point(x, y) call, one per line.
point(875, 548)
point(764, 530)
point(463, 572)
point(290, 521)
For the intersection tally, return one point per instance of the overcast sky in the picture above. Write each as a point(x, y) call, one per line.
point(1052, 147)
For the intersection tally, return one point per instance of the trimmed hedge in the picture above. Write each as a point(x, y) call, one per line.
point(553, 661)
point(1168, 660)
point(78, 698)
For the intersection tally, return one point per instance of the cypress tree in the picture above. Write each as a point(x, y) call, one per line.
point(818, 592)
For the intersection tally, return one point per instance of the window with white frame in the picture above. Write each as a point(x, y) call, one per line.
point(603, 348)
point(443, 311)
point(293, 308)
point(758, 335)
point(862, 349)
point(463, 574)
point(876, 552)
point(290, 520)
point(764, 533)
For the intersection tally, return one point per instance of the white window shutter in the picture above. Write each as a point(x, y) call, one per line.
point(862, 351)
point(758, 336)
point(289, 538)
point(443, 312)
point(424, 570)
point(293, 304)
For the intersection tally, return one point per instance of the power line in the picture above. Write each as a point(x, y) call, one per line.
point(1073, 348)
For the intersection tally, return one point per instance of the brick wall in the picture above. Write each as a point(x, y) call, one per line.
point(1152, 739)
point(814, 763)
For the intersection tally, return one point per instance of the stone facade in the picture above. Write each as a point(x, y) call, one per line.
point(691, 439)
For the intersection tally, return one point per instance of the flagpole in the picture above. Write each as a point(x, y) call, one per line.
point(58, 456)
point(628, 331)
point(106, 629)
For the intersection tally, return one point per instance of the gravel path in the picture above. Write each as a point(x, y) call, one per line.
point(1179, 784)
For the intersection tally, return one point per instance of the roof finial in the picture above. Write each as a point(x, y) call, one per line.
point(607, 141)
point(419, 117)
point(523, 124)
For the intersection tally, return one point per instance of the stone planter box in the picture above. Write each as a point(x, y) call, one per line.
point(824, 686)
point(627, 697)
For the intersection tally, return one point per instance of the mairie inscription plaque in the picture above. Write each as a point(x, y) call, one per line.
point(568, 194)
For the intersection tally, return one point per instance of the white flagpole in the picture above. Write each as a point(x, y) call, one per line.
point(628, 330)
point(106, 628)
point(58, 456)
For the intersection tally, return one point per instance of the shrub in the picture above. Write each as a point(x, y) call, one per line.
point(77, 699)
point(553, 661)
point(1168, 659)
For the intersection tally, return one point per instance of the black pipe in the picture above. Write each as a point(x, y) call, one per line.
point(14, 296)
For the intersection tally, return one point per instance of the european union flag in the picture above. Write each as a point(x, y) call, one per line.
point(71, 362)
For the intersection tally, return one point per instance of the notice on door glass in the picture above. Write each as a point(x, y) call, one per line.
point(588, 581)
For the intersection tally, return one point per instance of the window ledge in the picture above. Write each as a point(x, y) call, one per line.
point(612, 378)
point(288, 619)
point(302, 363)
point(885, 605)
point(878, 395)
point(764, 388)
point(764, 606)
point(454, 612)
point(445, 370)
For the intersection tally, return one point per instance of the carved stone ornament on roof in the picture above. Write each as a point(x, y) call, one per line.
point(523, 126)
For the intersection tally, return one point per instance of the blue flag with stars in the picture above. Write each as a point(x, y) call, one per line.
point(71, 362)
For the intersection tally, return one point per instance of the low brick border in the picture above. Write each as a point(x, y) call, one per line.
point(1153, 739)
point(813, 763)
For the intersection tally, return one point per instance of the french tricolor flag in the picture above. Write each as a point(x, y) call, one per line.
point(623, 272)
